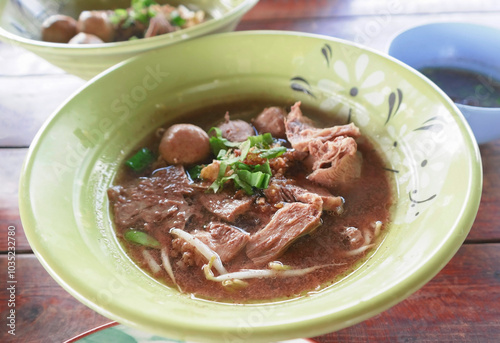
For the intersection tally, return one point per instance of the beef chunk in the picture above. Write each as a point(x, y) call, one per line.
point(330, 201)
point(271, 120)
point(236, 130)
point(157, 200)
point(300, 131)
point(287, 224)
point(334, 162)
point(225, 206)
point(333, 156)
point(225, 240)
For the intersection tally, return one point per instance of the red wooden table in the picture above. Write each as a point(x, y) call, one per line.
point(461, 304)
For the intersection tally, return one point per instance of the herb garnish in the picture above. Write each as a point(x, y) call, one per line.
point(232, 157)
point(140, 11)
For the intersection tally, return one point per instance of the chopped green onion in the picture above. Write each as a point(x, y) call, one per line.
point(151, 12)
point(265, 168)
point(222, 170)
point(118, 15)
point(143, 3)
point(127, 23)
point(245, 176)
point(218, 142)
point(265, 139)
point(194, 172)
point(273, 152)
point(219, 183)
point(140, 160)
point(141, 11)
point(221, 154)
point(178, 20)
point(242, 166)
point(121, 12)
point(253, 179)
point(141, 238)
point(244, 148)
point(242, 184)
point(142, 17)
point(265, 184)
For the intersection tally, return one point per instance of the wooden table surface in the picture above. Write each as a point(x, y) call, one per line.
point(461, 304)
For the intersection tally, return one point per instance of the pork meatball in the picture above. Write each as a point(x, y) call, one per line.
point(236, 130)
point(271, 120)
point(58, 29)
point(96, 23)
point(184, 144)
point(85, 38)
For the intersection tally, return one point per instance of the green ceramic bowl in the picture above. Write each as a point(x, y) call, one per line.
point(426, 142)
point(21, 20)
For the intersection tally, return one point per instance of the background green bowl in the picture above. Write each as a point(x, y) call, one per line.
point(21, 21)
point(426, 142)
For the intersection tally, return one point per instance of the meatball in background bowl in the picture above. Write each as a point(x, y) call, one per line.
point(21, 24)
point(427, 145)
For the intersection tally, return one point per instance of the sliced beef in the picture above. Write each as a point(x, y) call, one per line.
point(236, 130)
point(173, 179)
point(281, 191)
point(225, 206)
point(157, 200)
point(225, 240)
point(287, 224)
point(272, 120)
point(330, 201)
point(335, 162)
point(300, 130)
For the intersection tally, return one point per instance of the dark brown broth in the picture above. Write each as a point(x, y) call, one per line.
point(367, 200)
point(466, 87)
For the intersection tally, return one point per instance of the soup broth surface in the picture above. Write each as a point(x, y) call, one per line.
point(324, 255)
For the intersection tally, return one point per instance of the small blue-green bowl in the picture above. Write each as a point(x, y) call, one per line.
point(456, 45)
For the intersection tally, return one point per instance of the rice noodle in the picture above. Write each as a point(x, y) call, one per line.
point(260, 273)
point(150, 260)
point(202, 248)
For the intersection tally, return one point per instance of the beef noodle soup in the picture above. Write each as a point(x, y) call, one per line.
point(273, 205)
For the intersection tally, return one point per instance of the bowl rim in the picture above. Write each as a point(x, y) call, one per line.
point(322, 323)
point(125, 46)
